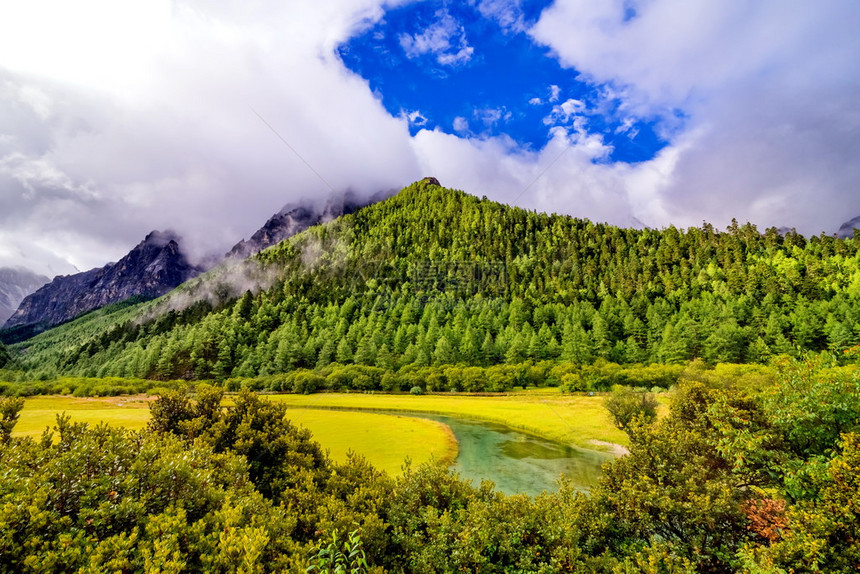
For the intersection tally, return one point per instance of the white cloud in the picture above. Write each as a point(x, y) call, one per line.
point(117, 122)
point(87, 168)
point(569, 111)
point(92, 43)
point(560, 178)
point(507, 13)
point(769, 90)
point(554, 92)
point(491, 117)
point(415, 118)
point(535, 102)
point(460, 124)
point(445, 39)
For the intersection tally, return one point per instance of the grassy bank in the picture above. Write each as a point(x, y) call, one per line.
point(131, 412)
point(570, 419)
point(386, 440)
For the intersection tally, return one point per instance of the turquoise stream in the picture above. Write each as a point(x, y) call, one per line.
point(517, 462)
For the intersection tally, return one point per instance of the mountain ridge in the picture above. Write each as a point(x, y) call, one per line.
point(846, 230)
point(434, 276)
point(298, 216)
point(153, 267)
point(68, 296)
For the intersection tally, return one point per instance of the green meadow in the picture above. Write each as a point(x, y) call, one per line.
point(339, 423)
point(385, 440)
point(570, 419)
point(41, 412)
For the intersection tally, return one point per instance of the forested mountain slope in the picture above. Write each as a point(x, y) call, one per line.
point(434, 276)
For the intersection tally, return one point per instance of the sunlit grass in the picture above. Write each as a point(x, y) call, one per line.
point(571, 419)
point(41, 412)
point(385, 440)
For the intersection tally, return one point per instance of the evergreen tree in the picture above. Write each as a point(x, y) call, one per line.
point(576, 345)
point(343, 354)
point(444, 353)
point(673, 346)
point(517, 350)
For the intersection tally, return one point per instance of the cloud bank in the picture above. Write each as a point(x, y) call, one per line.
point(118, 120)
point(769, 90)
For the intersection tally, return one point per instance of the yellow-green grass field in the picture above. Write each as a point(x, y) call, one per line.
point(570, 419)
point(41, 412)
point(386, 440)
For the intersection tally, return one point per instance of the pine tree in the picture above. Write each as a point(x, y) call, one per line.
point(601, 344)
point(365, 353)
point(384, 358)
point(517, 350)
point(488, 350)
point(673, 346)
point(470, 346)
point(444, 353)
point(576, 345)
point(327, 353)
point(344, 351)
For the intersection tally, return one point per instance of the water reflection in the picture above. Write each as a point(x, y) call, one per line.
point(517, 462)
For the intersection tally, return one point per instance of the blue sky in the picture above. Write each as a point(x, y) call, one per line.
point(472, 70)
point(118, 118)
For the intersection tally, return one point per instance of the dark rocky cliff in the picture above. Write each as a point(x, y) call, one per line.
point(154, 267)
point(296, 217)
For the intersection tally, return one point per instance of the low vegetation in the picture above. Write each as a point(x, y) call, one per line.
point(22, 384)
point(729, 480)
point(631, 406)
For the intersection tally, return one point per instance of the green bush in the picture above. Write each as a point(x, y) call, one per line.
point(307, 382)
point(627, 405)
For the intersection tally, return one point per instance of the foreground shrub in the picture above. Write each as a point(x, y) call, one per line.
point(102, 499)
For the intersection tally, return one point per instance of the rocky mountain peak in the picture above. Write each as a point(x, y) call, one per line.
point(15, 284)
point(155, 266)
point(295, 217)
point(157, 239)
point(158, 264)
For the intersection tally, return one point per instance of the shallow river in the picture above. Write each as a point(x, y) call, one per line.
point(517, 462)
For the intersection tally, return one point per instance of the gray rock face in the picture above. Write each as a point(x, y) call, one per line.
point(846, 230)
point(152, 268)
point(15, 284)
point(296, 217)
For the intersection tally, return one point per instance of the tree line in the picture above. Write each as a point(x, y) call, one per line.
point(435, 277)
